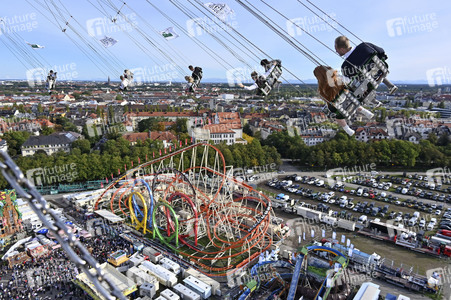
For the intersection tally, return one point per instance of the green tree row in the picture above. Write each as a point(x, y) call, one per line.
point(345, 150)
point(115, 154)
point(250, 155)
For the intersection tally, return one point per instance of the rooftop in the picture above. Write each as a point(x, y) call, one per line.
point(60, 138)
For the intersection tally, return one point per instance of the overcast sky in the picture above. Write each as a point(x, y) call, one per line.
point(415, 35)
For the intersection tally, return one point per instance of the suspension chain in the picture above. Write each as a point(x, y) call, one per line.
point(74, 249)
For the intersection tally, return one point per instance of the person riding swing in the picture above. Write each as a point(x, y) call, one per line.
point(261, 81)
point(330, 86)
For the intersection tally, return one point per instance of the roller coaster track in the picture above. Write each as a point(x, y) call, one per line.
point(222, 231)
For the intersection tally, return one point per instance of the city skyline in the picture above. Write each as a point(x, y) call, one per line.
point(413, 40)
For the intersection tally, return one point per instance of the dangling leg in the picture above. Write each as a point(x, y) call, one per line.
point(365, 112)
point(391, 87)
point(49, 87)
point(345, 126)
point(195, 85)
point(376, 103)
point(190, 87)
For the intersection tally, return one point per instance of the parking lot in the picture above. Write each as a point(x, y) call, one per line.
point(402, 257)
point(351, 204)
point(410, 202)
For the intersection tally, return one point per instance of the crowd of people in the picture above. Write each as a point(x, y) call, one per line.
point(52, 276)
point(101, 246)
point(48, 277)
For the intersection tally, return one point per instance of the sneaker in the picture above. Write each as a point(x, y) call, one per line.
point(377, 103)
point(392, 90)
point(367, 114)
point(349, 131)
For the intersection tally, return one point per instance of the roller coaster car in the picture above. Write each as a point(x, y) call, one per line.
point(265, 87)
point(346, 103)
point(370, 75)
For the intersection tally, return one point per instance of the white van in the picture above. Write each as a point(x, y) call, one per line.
point(412, 221)
point(343, 203)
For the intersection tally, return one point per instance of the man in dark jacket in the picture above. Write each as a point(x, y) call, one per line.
point(356, 58)
point(196, 76)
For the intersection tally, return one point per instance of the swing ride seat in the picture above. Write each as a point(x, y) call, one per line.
point(265, 90)
point(49, 84)
point(193, 87)
point(329, 114)
point(271, 81)
point(369, 77)
point(129, 76)
point(346, 103)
